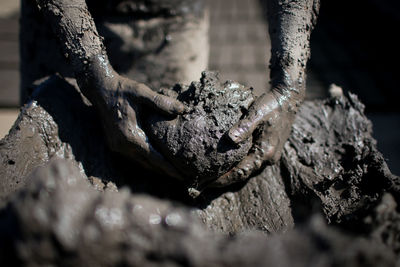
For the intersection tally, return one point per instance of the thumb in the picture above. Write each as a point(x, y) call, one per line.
point(244, 128)
point(158, 101)
point(262, 109)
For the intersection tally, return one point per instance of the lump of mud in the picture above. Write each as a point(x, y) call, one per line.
point(196, 143)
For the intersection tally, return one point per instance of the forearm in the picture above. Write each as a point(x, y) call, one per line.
point(82, 45)
point(290, 26)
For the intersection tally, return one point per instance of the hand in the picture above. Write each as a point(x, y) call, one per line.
point(269, 121)
point(120, 105)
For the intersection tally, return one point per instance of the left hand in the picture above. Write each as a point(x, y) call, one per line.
point(269, 120)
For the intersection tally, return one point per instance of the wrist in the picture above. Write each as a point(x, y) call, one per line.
point(102, 74)
point(288, 84)
point(98, 79)
point(289, 98)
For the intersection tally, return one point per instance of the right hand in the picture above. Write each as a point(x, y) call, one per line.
point(120, 110)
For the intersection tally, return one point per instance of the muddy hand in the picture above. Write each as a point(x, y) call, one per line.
point(269, 121)
point(122, 122)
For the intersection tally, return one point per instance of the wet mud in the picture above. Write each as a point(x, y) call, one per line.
point(197, 142)
point(331, 199)
point(59, 219)
point(67, 200)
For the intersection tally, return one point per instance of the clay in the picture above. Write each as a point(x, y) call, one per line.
point(196, 142)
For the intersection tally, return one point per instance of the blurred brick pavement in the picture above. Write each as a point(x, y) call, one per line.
point(239, 42)
point(9, 64)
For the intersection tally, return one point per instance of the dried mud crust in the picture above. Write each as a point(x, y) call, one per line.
point(196, 142)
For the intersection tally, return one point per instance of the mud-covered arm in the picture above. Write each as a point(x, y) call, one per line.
point(271, 116)
point(117, 99)
point(75, 29)
point(290, 26)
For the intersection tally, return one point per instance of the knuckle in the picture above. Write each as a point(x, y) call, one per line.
point(257, 163)
point(240, 173)
point(162, 102)
point(157, 99)
point(245, 125)
point(270, 152)
point(276, 157)
point(141, 91)
point(240, 132)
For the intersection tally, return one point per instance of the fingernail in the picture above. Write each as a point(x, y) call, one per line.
point(180, 108)
point(258, 163)
point(246, 170)
point(236, 134)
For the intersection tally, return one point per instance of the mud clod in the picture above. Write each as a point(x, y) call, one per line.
point(196, 142)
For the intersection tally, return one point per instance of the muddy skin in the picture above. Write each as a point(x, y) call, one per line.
point(196, 142)
point(119, 105)
point(272, 115)
point(117, 99)
point(146, 46)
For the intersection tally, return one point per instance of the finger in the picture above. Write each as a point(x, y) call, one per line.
point(129, 139)
point(151, 158)
point(139, 149)
point(251, 164)
point(158, 101)
point(163, 166)
point(242, 130)
point(259, 113)
point(167, 104)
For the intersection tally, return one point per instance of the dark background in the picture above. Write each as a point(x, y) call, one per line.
point(355, 45)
